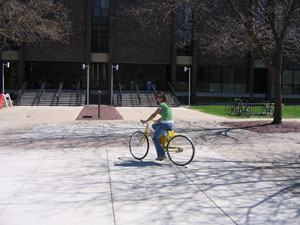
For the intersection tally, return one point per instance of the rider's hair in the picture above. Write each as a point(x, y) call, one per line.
point(164, 98)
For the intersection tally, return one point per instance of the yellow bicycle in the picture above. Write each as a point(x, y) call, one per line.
point(179, 148)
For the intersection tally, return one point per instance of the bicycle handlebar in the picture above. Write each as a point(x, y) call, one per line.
point(147, 123)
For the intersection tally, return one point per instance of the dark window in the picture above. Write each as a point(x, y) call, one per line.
point(287, 81)
point(184, 31)
point(228, 78)
point(182, 79)
point(100, 39)
point(290, 82)
point(222, 79)
point(130, 74)
point(100, 11)
point(54, 73)
point(11, 79)
point(99, 76)
point(100, 26)
point(202, 79)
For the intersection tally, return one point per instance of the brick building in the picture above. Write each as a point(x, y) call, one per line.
point(103, 37)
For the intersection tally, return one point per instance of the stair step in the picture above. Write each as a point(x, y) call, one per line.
point(48, 98)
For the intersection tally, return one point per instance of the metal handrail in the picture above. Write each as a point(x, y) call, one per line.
point(40, 93)
point(138, 93)
point(154, 89)
point(21, 92)
point(59, 92)
point(174, 94)
point(120, 93)
point(78, 94)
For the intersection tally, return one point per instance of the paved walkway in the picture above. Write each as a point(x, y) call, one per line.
point(58, 171)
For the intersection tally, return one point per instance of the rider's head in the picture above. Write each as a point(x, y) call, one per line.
point(161, 97)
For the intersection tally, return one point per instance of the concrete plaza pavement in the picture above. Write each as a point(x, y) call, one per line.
point(58, 171)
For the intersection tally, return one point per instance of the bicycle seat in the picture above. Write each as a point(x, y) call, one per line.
point(170, 132)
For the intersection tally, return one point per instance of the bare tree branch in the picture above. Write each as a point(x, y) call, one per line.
point(33, 21)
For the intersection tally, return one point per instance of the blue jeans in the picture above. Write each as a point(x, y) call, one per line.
point(160, 128)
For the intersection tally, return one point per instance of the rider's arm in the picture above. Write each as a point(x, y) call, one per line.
point(152, 116)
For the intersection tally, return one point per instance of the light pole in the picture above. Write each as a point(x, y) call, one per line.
point(7, 65)
point(87, 83)
point(112, 81)
point(189, 69)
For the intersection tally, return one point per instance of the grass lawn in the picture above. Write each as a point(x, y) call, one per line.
point(289, 111)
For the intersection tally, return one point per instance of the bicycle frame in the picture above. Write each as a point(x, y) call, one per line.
point(149, 133)
point(171, 143)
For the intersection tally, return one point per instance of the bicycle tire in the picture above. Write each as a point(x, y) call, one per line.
point(247, 111)
point(138, 145)
point(180, 150)
point(229, 109)
point(271, 112)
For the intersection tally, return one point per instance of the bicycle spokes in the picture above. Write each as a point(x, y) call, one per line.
point(180, 150)
point(139, 145)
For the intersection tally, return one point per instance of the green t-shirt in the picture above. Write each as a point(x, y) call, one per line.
point(166, 112)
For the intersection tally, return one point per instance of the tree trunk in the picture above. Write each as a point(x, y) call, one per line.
point(277, 96)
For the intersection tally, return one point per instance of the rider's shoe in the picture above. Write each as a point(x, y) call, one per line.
point(161, 158)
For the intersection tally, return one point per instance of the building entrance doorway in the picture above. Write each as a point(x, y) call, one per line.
point(260, 80)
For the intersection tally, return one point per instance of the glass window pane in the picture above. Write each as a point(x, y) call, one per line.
point(99, 76)
point(228, 75)
point(240, 88)
point(287, 89)
point(202, 86)
point(296, 89)
point(241, 75)
point(202, 74)
point(182, 86)
point(214, 74)
point(228, 87)
point(296, 77)
point(287, 77)
point(215, 87)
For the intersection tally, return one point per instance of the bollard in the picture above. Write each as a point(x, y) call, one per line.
point(99, 99)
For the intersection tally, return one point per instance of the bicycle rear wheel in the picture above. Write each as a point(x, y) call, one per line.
point(247, 111)
point(180, 150)
point(229, 109)
point(138, 145)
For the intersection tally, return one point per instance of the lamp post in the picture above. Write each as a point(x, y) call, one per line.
point(87, 83)
point(189, 69)
point(7, 65)
point(116, 67)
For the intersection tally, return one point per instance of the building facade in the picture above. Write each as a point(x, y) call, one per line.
point(104, 36)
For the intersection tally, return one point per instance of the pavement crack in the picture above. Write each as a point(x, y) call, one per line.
point(109, 177)
point(209, 198)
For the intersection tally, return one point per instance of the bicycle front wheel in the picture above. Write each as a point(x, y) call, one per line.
point(180, 150)
point(138, 145)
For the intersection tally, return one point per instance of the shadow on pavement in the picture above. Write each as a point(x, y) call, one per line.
point(136, 163)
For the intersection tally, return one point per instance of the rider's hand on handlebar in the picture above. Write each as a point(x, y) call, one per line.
point(143, 121)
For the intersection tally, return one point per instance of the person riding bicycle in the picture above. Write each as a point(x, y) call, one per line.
point(161, 125)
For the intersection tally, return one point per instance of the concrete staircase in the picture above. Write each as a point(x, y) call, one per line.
point(130, 99)
point(29, 98)
point(67, 98)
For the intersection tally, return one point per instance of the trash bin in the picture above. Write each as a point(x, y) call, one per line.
point(132, 85)
point(1, 101)
point(149, 85)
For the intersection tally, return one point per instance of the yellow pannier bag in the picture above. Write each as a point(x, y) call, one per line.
point(162, 140)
